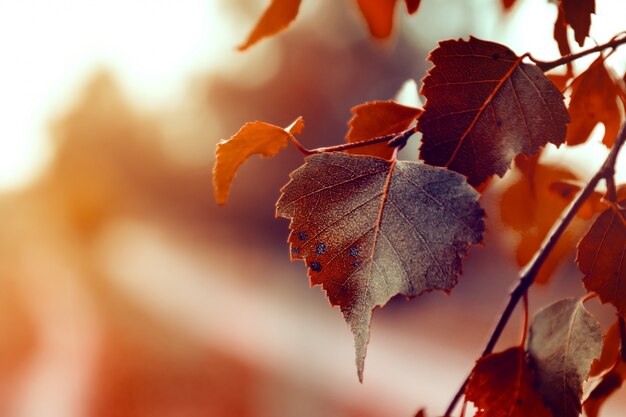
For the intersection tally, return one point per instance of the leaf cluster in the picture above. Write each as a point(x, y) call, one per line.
point(369, 226)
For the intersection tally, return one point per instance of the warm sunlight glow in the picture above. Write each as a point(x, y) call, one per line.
point(50, 48)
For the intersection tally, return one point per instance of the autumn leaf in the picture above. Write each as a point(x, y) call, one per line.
point(501, 385)
point(253, 138)
point(412, 5)
point(379, 16)
point(563, 342)
point(602, 257)
point(369, 229)
point(508, 4)
point(578, 16)
point(560, 33)
point(533, 203)
point(484, 106)
point(278, 15)
point(610, 382)
point(379, 118)
point(594, 100)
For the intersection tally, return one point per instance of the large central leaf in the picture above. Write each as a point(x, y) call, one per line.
point(484, 106)
point(369, 229)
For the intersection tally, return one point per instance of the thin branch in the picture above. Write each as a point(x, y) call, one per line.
point(394, 140)
point(527, 278)
point(548, 65)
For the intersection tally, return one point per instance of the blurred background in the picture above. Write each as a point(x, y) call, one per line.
point(126, 291)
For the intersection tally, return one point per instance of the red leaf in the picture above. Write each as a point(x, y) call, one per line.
point(379, 118)
point(369, 229)
point(578, 16)
point(602, 257)
point(560, 33)
point(278, 15)
point(594, 100)
point(501, 385)
point(379, 15)
point(507, 4)
point(253, 138)
point(412, 5)
point(484, 107)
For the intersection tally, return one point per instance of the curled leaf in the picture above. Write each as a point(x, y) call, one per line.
point(278, 15)
point(369, 229)
point(602, 257)
point(564, 340)
point(501, 385)
point(484, 106)
point(253, 138)
point(379, 118)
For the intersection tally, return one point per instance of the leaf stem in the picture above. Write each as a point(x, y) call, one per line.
point(528, 275)
point(548, 65)
point(395, 140)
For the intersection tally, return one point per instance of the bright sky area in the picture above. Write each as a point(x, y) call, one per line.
point(49, 48)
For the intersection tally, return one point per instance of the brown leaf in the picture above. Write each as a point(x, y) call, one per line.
point(484, 106)
point(560, 33)
point(369, 229)
point(379, 118)
point(602, 257)
point(594, 100)
point(564, 340)
point(412, 5)
point(610, 351)
point(501, 385)
point(578, 16)
point(278, 15)
point(533, 203)
point(253, 138)
point(379, 15)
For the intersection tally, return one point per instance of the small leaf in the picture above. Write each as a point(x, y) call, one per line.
point(369, 229)
point(563, 342)
point(578, 16)
point(508, 4)
point(602, 257)
point(608, 385)
point(379, 118)
point(501, 385)
point(484, 106)
point(379, 16)
point(560, 33)
point(594, 100)
point(253, 138)
point(412, 5)
point(278, 15)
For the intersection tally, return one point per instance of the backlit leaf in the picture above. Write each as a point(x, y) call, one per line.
point(253, 138)
point(278, 15)
point(602, 257)
point(412, 5)
point(379, 16)
point(379, 118)
point(533, 203)
point(369, 229)
point(560, 33)
point(501, 385)
point(594, 100)
point(484, 106)
point(508, 4)
point(563, 342)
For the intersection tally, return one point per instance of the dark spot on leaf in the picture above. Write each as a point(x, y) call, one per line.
point(498, 122)
point(495, 56)
point(303, 235)
point(321, 248)
point(295, 250)
point(316, 266)
point(356, 264)
point(354, 252)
